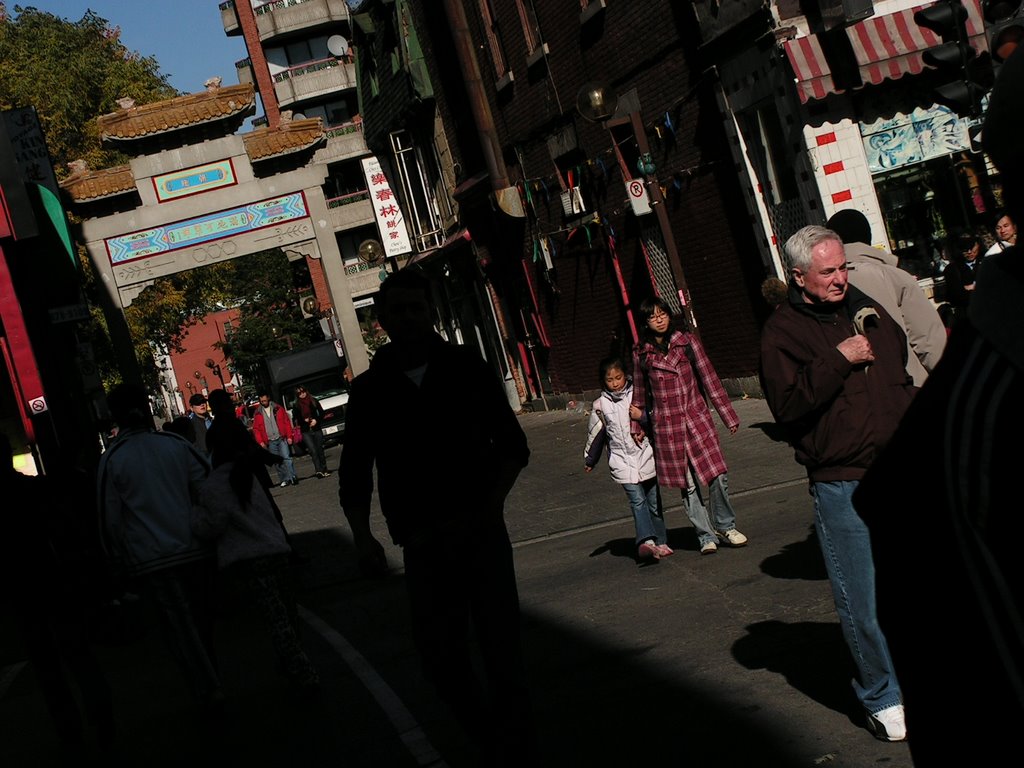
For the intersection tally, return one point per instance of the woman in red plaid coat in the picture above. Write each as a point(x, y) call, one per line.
point(671, 376)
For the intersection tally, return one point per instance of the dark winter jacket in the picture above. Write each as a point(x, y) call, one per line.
point(837, 416)
point(435, 465)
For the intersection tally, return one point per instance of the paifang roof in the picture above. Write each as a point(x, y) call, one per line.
point(292, 136)
point(260, 144)
point(94, 185)
point(179, 112)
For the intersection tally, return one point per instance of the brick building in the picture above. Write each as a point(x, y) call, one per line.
point(486, 94)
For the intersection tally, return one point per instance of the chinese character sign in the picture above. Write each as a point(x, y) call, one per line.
point(388, 213)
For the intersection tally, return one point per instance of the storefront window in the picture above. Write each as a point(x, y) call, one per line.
point(930, 186)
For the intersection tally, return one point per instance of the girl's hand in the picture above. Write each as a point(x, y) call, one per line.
point(588, 470)
point(635, 413)
point(638, 437)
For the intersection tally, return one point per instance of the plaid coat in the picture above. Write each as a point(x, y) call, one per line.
point(684, 432)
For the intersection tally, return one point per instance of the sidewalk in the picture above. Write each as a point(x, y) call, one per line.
point(729, 660)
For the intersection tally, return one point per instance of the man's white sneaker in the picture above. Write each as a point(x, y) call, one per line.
point(732, 537)
point(708, 548)
point(889, 724)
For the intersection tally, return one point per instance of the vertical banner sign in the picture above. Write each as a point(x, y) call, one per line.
point(390, 223)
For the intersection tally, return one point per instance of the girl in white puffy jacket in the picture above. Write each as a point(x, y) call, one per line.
point(631, 464)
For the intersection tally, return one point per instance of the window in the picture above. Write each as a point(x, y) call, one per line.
point(494, 39)
point(531, 29)
point(344, 179)
point(422, 214)
point(299, 52)
point(336, 111)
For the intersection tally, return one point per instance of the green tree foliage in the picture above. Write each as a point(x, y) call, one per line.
point(72, 72)
point(260, 286)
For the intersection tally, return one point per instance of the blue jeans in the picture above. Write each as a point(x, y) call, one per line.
point(645, 502)
point(846, 546)
point(285, 470)
point(721, 509)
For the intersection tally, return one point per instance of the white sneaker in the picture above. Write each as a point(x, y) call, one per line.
point(889, 724)
point(708, 548)
point(732, 537)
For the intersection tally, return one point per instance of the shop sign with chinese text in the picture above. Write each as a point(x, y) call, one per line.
point(390, 223)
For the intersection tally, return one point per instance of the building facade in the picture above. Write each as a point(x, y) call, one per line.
point(832, 107)
point(302, 65)
point(559, 220)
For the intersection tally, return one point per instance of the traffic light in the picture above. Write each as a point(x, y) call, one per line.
point(956, 58)
point(1004, 27)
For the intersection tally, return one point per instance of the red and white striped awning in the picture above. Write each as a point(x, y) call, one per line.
point(886, 48)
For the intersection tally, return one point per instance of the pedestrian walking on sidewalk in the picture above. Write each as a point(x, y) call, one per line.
point(272, 428)
point(147, 482)
point(442, 491)
point(672, 381)
point(309, 414)
point(631, 462)
point(833, 367)
point(235, 514)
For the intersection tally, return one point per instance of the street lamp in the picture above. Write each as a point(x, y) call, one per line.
point(216, 371)
point(596, 101)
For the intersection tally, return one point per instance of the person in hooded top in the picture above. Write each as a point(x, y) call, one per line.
point(875, 272)
point(631, 462)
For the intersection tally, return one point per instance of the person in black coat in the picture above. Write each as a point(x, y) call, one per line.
point(960, 274)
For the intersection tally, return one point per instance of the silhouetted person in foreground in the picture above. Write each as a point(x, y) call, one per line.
point(147, 482)
point(442, 487)
point(235, 514)
point(943, 505)
point(42, 577)
point(229, 440)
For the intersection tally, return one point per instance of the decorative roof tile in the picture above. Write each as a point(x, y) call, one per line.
point(289, 136)
point(180, 112)
point(89, 185)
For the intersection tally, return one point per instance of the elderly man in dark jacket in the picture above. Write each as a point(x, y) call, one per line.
point(833, 366)
point(442, 487)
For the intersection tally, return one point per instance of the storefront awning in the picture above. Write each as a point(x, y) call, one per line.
point(886, 48)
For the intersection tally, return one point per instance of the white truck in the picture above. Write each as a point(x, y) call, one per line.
point(320, 370)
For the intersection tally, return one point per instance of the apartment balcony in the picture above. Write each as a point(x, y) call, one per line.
point(350, 211)
point(283, 17)
point(229, 18)
point(343, 143)
point(316, 78)
point(243, 69)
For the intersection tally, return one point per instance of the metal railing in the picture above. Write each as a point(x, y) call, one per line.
point(309, 66)
point(272, 6)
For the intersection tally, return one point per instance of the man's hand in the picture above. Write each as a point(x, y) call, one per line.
point(856, 349)
point(312, 423)
point(732, 430)
point(588, 470)
point(638, 437)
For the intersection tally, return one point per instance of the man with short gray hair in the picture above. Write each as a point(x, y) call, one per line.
point(833, 369)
